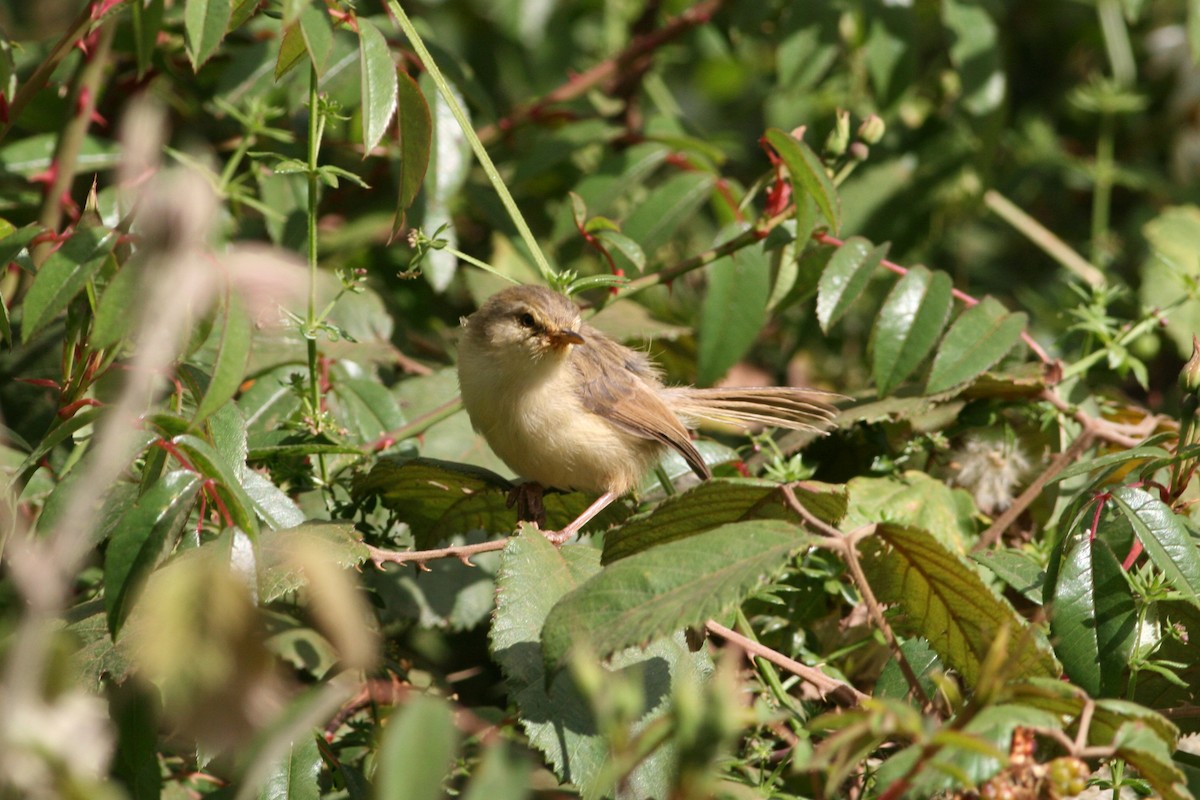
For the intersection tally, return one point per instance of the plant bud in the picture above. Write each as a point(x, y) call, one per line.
point(872, 129)
point(839, 138)
point(1189, 376)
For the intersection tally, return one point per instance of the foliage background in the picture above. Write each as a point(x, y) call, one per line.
point(239, 236)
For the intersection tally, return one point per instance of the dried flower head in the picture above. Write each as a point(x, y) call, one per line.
point(991, 464)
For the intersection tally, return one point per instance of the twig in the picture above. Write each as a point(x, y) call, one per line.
point(840, 692)
point(1060, 462)
point(1127, 436)
point(845, 545)
point(1043, 237)
point(746, 238)
point(581, 84)
point(462, 552)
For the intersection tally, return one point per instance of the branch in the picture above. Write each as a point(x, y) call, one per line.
point(840, 692)
point(843, 544)
point(581, 84)
point(462, 552)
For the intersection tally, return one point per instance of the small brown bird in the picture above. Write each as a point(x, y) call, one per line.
point(566, 407)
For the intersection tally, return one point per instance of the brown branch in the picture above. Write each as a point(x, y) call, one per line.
point(842, 693)
point(462, 552)
point(1060, 462)
point(1127, 436)
point(845, 545)
point(611, 68)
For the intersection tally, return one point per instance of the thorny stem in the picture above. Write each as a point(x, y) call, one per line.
point(462, 552)
point(315, 131)
point(845, 545)
point(842, 693)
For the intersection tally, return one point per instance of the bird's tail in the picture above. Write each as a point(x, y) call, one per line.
point(777, 406)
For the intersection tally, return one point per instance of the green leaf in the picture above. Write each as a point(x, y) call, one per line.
point(1016, 568)
point(844, 279)
point(379, 84)
point(908, 326)
point(666, 208)
point(365, 408)
point(141, 538)
point(133, 708)
point(113, 321)
point(557, 717)
point(1165, 538)
point(1150, 755)
point(975, 52)
point(204, 24)
point(670, 587)
point(279, 572)
point(1092, 617)
point(270, 502)
point(17, 241)
point(628, 248)
point(979, 338)
point(500, 776)
point(209, 463)
point(734, 309)
point(416, 750)
point(946, 601)
point(890, 48)
point(416, 137)
point(63, 275)
point(1142, 453)
point(317, 31)
point(439, 499)
point(230, 359)
point(914, 499)
point(294, 776)
point(808, 175)
point(718, 502)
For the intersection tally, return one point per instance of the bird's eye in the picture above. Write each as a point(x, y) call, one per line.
point(526, 320)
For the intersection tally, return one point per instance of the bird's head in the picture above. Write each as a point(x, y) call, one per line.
point(529, 320)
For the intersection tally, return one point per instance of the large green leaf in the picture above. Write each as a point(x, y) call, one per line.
point(980, 337)
point(141, 538)
point(416, 137)
point(1161, 531)
point(379, 84)
point(718, 502)
point(205, 23)
point(670, 587)
point(946, 601)
point(734, 309)
point(808, 175)
point(417, 750)
point(1093, 617)
point(439, 499)
point(63, 275)
point(201, 456)
point(229, 361)
point(914, 499)
point(317, 31)
point(294, 776)
point(845, 277)
point(556, 716)
point(665, 208)
point(908, 326)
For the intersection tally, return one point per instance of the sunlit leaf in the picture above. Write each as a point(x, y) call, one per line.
point(379, 84)
point(908, 326)
point(980, 337)
point(847, 274)
point(808, 174)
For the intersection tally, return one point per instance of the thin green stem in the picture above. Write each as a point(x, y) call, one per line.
point(485, 160)
point(316, 126)
point(1102, 197)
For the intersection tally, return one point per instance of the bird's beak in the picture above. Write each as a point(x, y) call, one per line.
point(561, 339)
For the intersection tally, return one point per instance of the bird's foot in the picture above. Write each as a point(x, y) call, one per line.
point(527, 497)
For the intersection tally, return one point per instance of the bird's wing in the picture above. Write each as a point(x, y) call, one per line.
point(628, 396)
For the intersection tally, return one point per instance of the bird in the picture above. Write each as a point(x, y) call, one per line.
point(566, 407)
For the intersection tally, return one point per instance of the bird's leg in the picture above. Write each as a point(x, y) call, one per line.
point(601, 502)
point(527, 497)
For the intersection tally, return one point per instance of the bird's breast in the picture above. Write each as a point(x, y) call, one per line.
point(533, 419)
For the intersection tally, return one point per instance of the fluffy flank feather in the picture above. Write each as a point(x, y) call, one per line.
point(777, 406)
